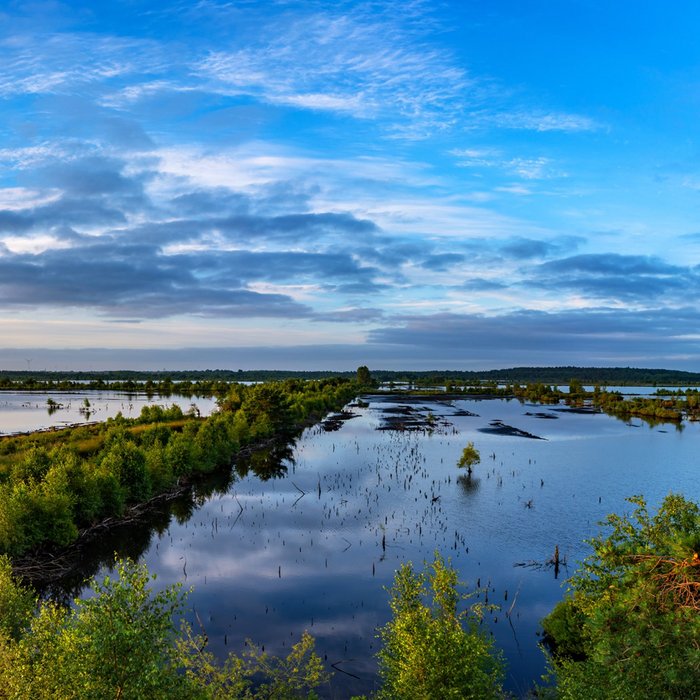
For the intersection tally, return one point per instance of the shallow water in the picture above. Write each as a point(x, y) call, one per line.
point(316, 547)
point(27, 411)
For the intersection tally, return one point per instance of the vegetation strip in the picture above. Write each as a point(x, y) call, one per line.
point(53, 486)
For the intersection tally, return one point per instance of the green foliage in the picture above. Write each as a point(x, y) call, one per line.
point(16, 603)
point(576, 387)
point(295, 676)
point(127, 462)
point(214, 443)
point(154, 413)
point(431, 648)
point(470, 456)
point(111, 494)
point(33, 465)
point(233, 399)
point(364, 378)
point(117, 644)
point(179, 458)
point(123, 643)
point(54, 484)
point(267, 408)
point(632, 611)
point(563, 631)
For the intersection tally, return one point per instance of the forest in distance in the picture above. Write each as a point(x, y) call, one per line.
point(619, 376)
point(628, 627)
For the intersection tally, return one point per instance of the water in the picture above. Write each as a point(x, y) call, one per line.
point(27, 411)
point(315, 546)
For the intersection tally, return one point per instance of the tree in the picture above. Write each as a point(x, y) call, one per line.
point(364, 378)
point(117, 644)
point(575, 387)
point(267, 409)
point(470, 456)
point(629, 626)
point(431, 648)
point(127, 462)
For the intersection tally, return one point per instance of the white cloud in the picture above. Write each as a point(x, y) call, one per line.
point(536, 120)
point(33, 245)
point(127, 96)
point(344, 185)
point(363, 63)
point(514, 189)
point(468, 155)
point(527, 168)
point(19, 198)
point(442, 219)
point(29, 156)
point(352, 104)
point(530, 168)
point(336, 182)
point(372, 60)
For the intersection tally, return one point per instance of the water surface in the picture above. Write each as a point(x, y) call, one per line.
point(314, 546)
point(28, 411)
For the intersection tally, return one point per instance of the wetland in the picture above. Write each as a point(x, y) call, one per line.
point(308, 536)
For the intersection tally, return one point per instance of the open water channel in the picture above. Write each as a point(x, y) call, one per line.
point(314, 542)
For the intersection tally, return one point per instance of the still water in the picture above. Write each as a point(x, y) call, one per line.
point(315, 546)
point(313, 541)
point(27, 411)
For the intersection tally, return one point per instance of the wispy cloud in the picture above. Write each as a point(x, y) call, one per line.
point(534, 120)
point(380, 61)
point(66, 62)
point(365, 61)
point(313, 161)
point(526, 168)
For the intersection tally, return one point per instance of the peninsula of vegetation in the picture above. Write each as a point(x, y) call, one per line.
point(58, 486)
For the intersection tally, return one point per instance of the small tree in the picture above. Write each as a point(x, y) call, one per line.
point(575, 387)
point(117, 644)
point(16, 602)
point(364, 377)
point(431, 648)
point(470, 457)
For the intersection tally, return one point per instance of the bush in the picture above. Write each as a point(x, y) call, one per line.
point(630, 624)
point(432, 649)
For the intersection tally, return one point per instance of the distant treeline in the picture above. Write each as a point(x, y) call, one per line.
point(212, 375)
point(629, 376)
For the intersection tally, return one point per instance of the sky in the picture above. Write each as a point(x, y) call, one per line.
point(297, 184)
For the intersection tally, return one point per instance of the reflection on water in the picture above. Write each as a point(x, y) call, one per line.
point(273, 462)
point(309, 538)
point(469, 483)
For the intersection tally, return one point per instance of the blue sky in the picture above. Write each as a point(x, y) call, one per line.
point(305, 184)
